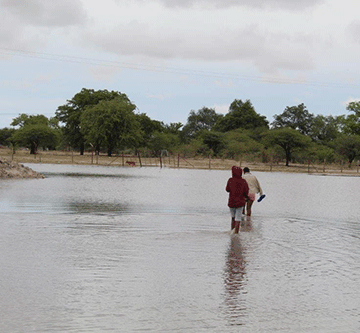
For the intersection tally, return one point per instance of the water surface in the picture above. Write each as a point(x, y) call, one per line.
point(95, 249)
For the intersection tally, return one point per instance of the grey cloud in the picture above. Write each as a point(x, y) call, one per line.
point(268, 52)
point(45, 12)
point(283, 4)
point(14, 35)
point(354, 31)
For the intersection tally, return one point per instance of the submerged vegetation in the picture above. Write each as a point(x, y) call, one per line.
point(107, 121)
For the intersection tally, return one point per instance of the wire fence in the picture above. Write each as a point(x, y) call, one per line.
point(175, 161)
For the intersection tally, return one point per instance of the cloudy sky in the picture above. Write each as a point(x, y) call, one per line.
point(174, 56)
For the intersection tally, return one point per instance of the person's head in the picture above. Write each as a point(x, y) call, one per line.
point(246, 170)
point(236, 171)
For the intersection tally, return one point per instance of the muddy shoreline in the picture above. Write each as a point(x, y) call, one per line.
point(14, 170)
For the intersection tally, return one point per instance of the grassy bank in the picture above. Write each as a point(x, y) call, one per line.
point(174, 161)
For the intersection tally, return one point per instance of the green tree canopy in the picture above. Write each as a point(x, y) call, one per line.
point(288, 139)
point(173, 128)
point(215, 141)
point(202, 120)
point(34, 132)
point(349, 147)
point(70, 113)
point(148, 127)
point(162, 141)
point(354, 107)
point(25, 119)
point(324, 130)
point(111, 124)
point(5, 135)
point(352, 122)
point(239, 142)
point(295, 117)
point(241, 115)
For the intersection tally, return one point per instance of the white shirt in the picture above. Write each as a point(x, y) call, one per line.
point(254, 185)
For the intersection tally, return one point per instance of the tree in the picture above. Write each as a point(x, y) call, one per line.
point(24, 119)
point(288, 139)
point(34, 131)
point(324, 130)
point(214, 140)
point(162, 141)
point(70, 113)
point(349, 146)
point(240, 142)
point(111, 124)
point(202, 120)
point(148, 127)
point(241, 115)
point(295, 117)
point(320, 153)
point(173, 128)
point(5, 135)
point(354, 107)
point(351, 123)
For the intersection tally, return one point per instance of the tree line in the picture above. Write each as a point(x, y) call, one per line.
point(107, 121)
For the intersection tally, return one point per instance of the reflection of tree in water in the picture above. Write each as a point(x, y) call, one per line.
point(85, 207)
point(234, 276)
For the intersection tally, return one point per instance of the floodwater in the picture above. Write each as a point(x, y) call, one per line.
point(109, 249)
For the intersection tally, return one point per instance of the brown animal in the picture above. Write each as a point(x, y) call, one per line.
point(130, 163)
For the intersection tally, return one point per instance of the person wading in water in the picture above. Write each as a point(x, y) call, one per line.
point(238, 190)
point(254, 187)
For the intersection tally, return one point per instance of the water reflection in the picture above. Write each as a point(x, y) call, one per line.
point(98, 208)
point(234, 279)
point(86, 175)
point(246, 224)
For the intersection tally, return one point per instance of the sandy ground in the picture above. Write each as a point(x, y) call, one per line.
point(13, 169)
point(62, 157)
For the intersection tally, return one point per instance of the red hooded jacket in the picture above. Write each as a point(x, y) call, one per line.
point(238, 188)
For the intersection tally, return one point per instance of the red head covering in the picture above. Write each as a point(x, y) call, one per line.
point(236, 172)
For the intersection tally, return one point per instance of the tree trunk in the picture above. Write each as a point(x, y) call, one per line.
point(288, 157)
point(33, 148)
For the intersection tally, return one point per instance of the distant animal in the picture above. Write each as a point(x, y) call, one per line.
point(130, 163)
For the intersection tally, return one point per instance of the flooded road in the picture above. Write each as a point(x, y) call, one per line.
point(96, 249)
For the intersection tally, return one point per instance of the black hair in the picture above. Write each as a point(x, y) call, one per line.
point(246, 170)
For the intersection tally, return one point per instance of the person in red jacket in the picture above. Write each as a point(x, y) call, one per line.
point(238, 193)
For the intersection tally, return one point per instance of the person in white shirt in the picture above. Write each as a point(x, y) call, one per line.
point(254, 188)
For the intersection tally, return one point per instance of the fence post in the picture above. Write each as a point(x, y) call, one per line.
point(324, 164)
point(178, 161)
point(209, 161)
